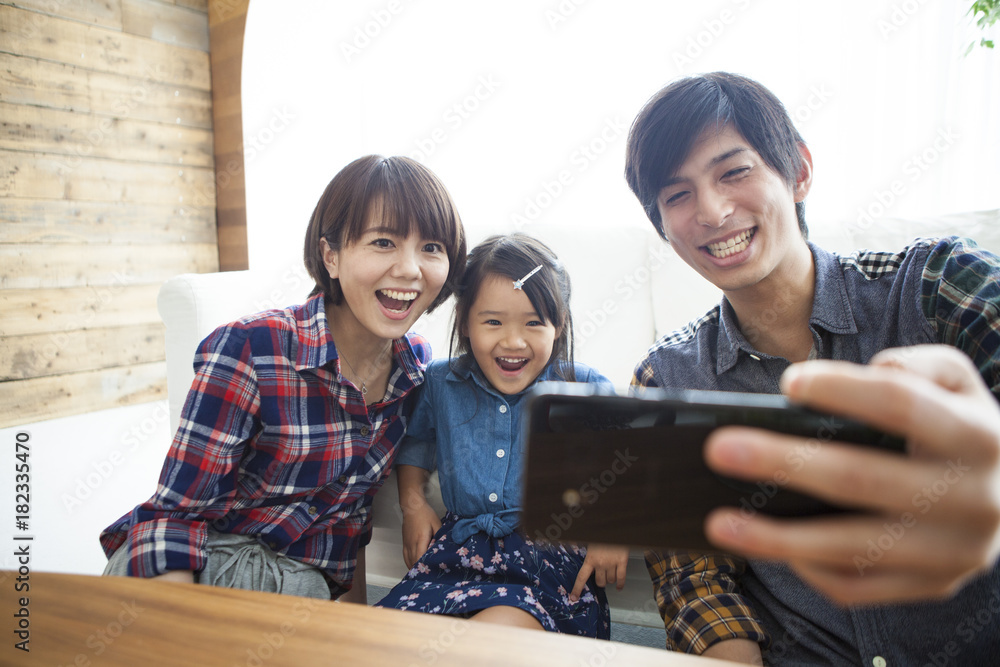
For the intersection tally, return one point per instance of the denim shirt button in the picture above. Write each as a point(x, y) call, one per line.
point(878, 661)
point(500, 453)
point(493, 497)
point(503, 409)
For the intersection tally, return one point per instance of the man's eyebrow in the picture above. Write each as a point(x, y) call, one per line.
point(713, 162)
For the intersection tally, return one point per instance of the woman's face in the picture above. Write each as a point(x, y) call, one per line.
point(387, 280)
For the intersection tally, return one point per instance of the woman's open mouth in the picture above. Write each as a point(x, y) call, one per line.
point(396, 301)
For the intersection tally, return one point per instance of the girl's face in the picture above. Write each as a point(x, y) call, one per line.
point(510, 341)
point(388, 280)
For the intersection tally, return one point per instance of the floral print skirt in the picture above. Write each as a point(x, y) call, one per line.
point(461, 579)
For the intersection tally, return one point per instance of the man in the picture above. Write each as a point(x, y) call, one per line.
point(723, 175)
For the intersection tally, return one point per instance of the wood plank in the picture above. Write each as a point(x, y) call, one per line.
point(105, 14)
point(101, 50)
point(200, 5)
point(62, 221)
point(43, 355)
point(60, 132)
point(170, 24)
point(32, 311)
point(39, 176)
point(54, 85)
point(227, 23)
point(27, 401)
point(45, 266)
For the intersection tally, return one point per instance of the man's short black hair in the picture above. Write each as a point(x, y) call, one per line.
point(667, 127)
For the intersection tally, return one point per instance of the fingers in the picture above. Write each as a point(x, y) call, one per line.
point(853, 476)
point(581, 580)
point(932, 395)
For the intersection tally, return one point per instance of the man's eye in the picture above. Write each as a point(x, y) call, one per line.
point(674, 198)
point(735, 173)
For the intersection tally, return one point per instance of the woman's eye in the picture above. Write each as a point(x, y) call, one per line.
point(433, 247)
point(382, 243)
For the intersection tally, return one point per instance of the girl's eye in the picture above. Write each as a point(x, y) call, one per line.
point(493, 323)
point(536, 323)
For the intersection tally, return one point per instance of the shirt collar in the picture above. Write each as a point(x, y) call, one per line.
point(831, 311)
point(316, 346)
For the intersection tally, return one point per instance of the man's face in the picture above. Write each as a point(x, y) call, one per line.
point(730, 216)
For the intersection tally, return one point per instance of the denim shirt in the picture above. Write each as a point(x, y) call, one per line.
point(471, 434)
point(934, 291)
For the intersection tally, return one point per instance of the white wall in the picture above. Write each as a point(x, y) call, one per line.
point(501, 98)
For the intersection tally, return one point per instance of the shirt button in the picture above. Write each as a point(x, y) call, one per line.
point(493, 497)
point(342, 479)
point(273, 545)
point(503, 409)
point(878, 661)
point(365, 430)
point(313, 510)
point(500, 453)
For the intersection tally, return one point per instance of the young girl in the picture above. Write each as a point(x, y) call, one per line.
point(512, 328)
point(294, 415)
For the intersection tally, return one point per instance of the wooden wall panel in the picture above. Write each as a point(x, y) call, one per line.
point(227, 20)
point(107, 174)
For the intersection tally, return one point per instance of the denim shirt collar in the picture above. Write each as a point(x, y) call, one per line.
point(831, 311)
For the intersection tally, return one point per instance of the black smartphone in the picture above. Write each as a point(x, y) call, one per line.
point(628, 469)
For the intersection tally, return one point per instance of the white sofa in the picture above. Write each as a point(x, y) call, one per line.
point(628, 288)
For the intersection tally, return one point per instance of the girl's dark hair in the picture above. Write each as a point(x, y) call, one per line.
point(514, 256)
point(409, 199)
point(674, 118)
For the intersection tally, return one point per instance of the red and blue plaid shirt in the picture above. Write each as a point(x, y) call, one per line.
point(275, 444)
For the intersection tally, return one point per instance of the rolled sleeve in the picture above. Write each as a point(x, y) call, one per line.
point(698, 600)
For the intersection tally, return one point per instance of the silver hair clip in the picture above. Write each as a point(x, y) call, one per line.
point(518, 284)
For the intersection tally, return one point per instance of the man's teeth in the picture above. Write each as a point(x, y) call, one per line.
point(736, 244)
point(399, 296)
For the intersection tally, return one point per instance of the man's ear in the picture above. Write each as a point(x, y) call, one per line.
point(803, 182)
point(330, 258)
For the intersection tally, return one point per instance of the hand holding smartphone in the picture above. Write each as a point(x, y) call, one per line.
point(629, 469)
